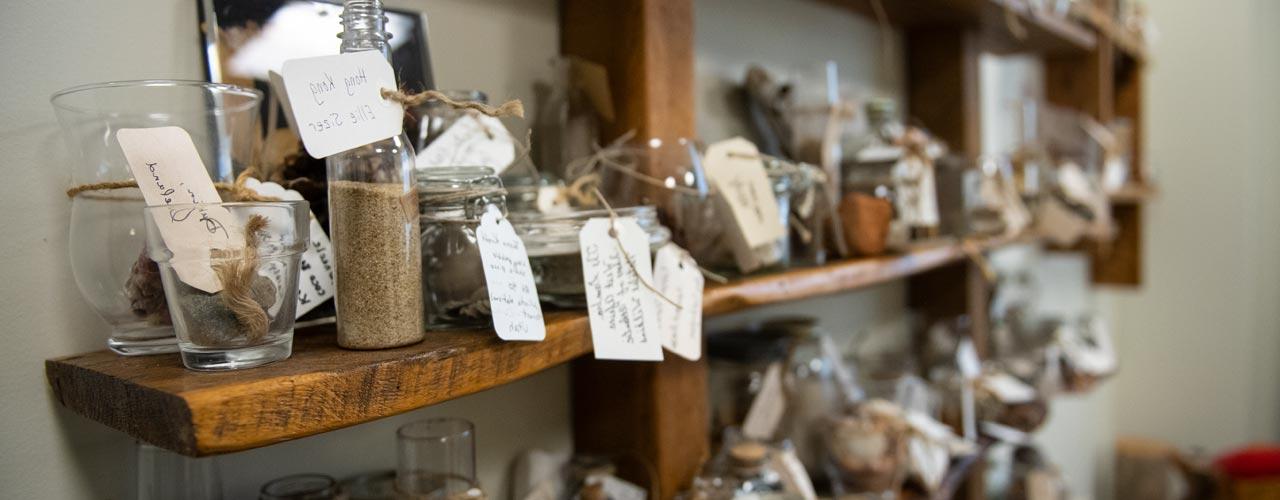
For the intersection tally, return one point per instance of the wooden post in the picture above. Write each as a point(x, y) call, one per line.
point(942, 88)
point(656, 411)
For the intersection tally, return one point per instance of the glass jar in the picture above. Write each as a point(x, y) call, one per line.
point(164, 475)
point(222, 331)
point(437, 459)
point(745, 469)
point(866, 450)
point(737, 363)
point(302, 487)
point(450, 203)
point(435, 117)
point(554, 251)
point(373, 220)
point(814, 389)
point(108, 238)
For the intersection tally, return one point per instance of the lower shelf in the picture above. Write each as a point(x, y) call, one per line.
point(323, 387)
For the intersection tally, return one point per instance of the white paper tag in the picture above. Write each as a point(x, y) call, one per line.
point(617, 489)
point(967, 359)
point(315, 269)
point(472, 140)
point(676, 275)
point(793, 474)
point(513, 297)
point(622, 312)
point(276, 83)
point(734, 167)
point(337, 101)
point(767, 409)
point(1007, 389)
point(169, 171)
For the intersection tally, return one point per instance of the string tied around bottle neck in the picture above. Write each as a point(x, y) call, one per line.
point(510, 108)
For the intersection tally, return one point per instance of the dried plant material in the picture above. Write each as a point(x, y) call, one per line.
point(867, 447)
point(146, 291)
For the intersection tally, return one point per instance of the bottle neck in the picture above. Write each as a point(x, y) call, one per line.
point(364, 28)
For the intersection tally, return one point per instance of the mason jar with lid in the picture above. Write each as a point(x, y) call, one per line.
point(554, 255)
point(451, 201)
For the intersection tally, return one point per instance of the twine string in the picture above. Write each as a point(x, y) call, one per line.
point(237, 276)
point(510, 108)
point(613, 233)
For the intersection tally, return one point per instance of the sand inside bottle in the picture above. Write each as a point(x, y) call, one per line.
point(379, 272)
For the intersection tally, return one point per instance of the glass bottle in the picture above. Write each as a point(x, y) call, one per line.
point(373, 220)
point(451, 201)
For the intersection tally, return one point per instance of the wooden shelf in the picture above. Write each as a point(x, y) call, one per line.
point(1045, 34)
point(1127, 43)
point(322, 387)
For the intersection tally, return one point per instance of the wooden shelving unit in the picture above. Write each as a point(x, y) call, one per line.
point(657, 411)
point(323, 387)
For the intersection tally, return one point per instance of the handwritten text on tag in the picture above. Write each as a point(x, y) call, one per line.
point(337, 101)
point(513, 297)
point(473, 139)
point(169, 171)
point(734, 167)
point(676, 275)
point(622, 312)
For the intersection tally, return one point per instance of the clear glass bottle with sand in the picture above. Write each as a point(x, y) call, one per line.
point(373, 212)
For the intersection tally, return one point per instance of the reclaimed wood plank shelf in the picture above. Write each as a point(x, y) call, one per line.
point(322, 387)
point(995, 19)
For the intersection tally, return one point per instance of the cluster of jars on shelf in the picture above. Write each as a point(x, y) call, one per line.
point(796, 413)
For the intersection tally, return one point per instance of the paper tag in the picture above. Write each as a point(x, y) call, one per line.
point(617, 489)
point(169, 171)
point(337, 101)
point(1007, 389)
point(622, 312)
point(472, 140)
point(735, 169)
point(276, 83)
point(766, 410)
point(844, 377)
point(513, 297)
point(967, 359)
point(793, 473)
point(315, 269)
point(676, 275)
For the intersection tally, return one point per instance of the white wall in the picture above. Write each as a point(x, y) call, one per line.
point(1201, 339)
point(495, 45)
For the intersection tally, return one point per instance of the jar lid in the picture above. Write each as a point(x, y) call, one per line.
point(557, 234)
point(458, 186)
point(748, 454)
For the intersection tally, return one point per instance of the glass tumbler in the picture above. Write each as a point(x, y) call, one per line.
point(437, 459)
point(450, 203)
point(107, 241)
point(222, 330)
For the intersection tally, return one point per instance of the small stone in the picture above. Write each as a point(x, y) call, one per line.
point(210, 323)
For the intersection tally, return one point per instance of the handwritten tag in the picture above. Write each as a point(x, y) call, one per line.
point(735, 169)
point(622, 312)
point(967, 359)
point(617, 489)
point(513, 297)
point(169, 171)
point(676, 275)
point(1008, 389)
point(337, 102)
point(473, 140)
point(315, 269)
point(767, 408)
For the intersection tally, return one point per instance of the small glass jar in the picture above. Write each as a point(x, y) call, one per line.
point(223, 330)
point(302, 487)
point(437, 459)
point(554, 251)
point(450, 203)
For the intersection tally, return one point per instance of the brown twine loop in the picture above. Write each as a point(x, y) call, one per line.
point(613, 233)
point(236, 191)
point(510, 108)
point(237, 276)
point(614, 157)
